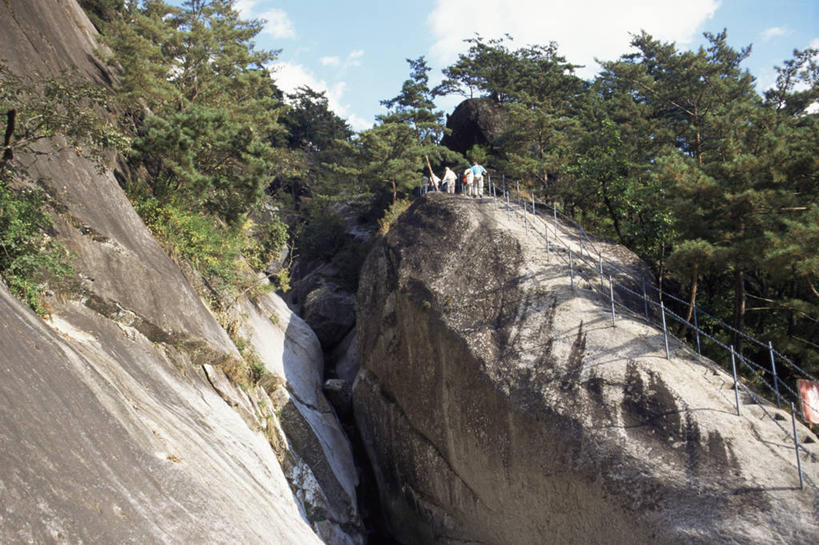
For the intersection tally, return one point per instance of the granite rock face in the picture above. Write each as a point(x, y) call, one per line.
point(105, 441)
point(118, 423)
point(499, 406)
point(315, 453)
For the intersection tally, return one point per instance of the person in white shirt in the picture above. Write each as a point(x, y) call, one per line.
point(469, 178)
point(449, 179)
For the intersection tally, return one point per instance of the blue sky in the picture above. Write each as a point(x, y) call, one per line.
point(355, 50)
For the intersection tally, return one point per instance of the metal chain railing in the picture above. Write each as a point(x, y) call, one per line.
point(583, 265)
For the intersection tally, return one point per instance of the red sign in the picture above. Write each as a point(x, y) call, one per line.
point(809, 392)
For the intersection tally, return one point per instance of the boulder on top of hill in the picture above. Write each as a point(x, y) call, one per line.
point(476, 121)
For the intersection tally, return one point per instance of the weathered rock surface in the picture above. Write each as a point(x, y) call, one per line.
point(476, 121)
point(499, 406)
point(120, 267)
point(315, 441)
point(118, 424)
point(105, 441)
point(330, 311)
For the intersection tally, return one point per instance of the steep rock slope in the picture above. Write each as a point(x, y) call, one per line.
point(104, 441)
point(499, 406)
point(122, 427)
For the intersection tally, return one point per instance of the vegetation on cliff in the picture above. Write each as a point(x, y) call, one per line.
point(34, 110)
point(672, 153)
point(675, 155)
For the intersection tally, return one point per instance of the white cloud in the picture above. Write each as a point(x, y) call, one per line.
point(353, 59)
point(278, 24)
point(773, 32)
point(289, 77)
point(814, 44)
point(583, 29)
point(358, 123)
point(245, 8)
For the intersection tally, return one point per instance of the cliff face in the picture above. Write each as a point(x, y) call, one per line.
point(499, 406)
point(117, 421)
point(104, 440)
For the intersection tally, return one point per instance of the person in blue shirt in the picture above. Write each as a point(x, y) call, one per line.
point(478, 171)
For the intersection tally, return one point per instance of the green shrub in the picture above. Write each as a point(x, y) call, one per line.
point(226, 256)
point(29, 258)
point(391, 214)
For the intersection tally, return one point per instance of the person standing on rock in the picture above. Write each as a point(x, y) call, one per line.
point(478, 171)
point(449, 179)
point(469, 178)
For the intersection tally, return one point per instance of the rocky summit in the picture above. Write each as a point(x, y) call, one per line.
point(501, 406)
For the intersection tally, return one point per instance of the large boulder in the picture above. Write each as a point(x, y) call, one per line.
point(475, 122)
point(500, 406)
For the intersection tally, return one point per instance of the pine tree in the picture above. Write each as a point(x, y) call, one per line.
point(209, 105)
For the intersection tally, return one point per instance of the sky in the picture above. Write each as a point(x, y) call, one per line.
point(356, 50)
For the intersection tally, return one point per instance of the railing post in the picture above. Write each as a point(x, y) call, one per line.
point(507, 205)
point(517, 184)
point(776, 379)
point(665, 329)
point(554, 211)
point(697, 331)
point(611, 296)
point(736, 381)
point(547, 241)
point(602, 283)
point(580, 236)
point(796, 448)
point(488, 184)
point(571, 267)
point(525, 222)
point(645, 300)
point(534, 212)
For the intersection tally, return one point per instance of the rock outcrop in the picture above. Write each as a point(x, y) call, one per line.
point(475, 122)
point(106, 441)
point(499, 406)
point(118, 423)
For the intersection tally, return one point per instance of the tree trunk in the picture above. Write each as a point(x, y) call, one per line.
point(694, 278)
point(613, 215)
point(394, 192)
point(698, 148)
point(8, 152)
point(739, 308)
